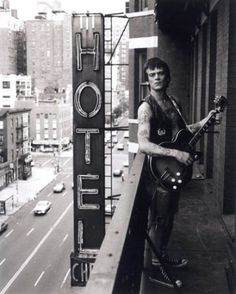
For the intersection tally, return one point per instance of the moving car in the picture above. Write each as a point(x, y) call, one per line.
point(117, 172)
point(120, 146)
point(3, 226)
point(42, 207)
point(60, 187)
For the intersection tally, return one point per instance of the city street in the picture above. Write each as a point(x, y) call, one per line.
point(35, 250)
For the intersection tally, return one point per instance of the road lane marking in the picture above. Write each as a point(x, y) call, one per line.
point(39, 278)
point(67, 176)
point(2, 262)
point(46, 162)
point(66, 236)
point(64, 280)
point(49, 194)
point(66, 161)
point(9, 233)
point(30, 231)
point(21, 268)
point(64, 194)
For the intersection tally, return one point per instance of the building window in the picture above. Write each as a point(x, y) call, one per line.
point(45, 135)
point(1, 125)
point(141, 57)
point(6, 84)
point(37, 125)
point(6, 96)
point(46, 124)
point(38, 137)
point(1, 139)
point(54, 134)
point(54, 124)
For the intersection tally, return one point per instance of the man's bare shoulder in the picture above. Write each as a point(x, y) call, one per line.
point(144, 108)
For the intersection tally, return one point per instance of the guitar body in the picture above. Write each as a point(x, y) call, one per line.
point(173, 174)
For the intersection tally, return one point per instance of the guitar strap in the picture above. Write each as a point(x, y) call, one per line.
point(178, 110)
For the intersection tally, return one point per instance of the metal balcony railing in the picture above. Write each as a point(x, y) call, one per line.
point(119, 264)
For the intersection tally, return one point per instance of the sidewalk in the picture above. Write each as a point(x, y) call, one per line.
point(27, 189)
point(199, 236)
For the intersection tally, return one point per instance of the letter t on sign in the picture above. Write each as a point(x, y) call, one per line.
point(87, 143)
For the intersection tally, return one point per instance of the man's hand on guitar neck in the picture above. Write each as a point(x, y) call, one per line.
point(183, 157)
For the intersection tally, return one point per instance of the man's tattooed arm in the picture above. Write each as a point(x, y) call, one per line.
point(194, 127)
point(145, 146)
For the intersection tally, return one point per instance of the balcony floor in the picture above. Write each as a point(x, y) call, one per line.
point(198, 235)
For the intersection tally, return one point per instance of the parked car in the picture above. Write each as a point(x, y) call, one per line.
point(110, 209)
point(110, 145)
point(42, 207)
point(126, 134)
point(3, 226)
point(126, 163)
point(115, 139)
point(120, 146)
point(117, 172)
point(60, 187)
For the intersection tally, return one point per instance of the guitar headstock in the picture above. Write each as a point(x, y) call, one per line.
point(220, 103)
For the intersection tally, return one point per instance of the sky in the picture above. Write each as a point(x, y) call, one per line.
point(27, 8)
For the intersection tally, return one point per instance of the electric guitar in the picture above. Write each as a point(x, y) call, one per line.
point(173, 174)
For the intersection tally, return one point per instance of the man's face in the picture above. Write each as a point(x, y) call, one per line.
point(157, 79)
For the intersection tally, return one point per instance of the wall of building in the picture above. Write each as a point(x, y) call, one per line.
point(226, 83)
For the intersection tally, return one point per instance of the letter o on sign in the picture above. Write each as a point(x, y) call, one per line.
point(77, 99)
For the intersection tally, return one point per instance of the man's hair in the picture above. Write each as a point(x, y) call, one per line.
point(156, 62)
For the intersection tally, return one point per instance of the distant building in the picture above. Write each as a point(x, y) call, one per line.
point(13, 87)
point(51, 129)
point(15, 157)
point(49, 52)
point(4, 4)
point(12, 45)
point(117, 53)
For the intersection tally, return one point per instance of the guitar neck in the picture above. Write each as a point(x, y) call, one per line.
point(200, 132)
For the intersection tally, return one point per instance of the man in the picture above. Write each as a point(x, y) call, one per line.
point(160, 120)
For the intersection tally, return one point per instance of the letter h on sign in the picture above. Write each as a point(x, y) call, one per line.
point(90, 51)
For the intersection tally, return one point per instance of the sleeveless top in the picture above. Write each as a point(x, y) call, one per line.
point(161, 126)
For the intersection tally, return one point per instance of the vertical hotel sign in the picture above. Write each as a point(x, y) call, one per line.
point(88, 137)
